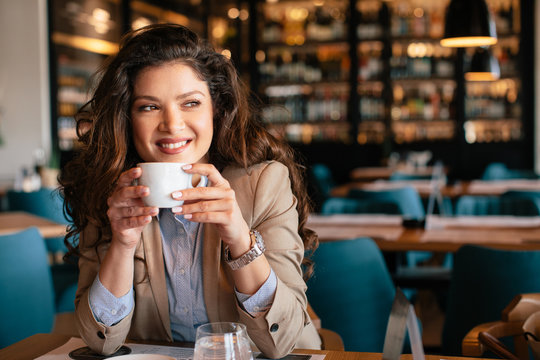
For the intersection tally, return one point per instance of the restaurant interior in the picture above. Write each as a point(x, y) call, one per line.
point(416, 122)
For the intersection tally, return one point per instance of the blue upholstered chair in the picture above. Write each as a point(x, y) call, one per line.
point(483, 282)
point(407, 200)
point(357, 206)
point(322, 181)
point(48, 203)
point(499, 171)
point(352, 292)
point(27, 298)
point(507, 204)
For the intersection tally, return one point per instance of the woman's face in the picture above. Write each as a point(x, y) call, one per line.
point(172, 114)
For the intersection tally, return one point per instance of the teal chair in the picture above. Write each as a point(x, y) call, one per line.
point(27, 298)
point(401, 176)
point(406, 199)
point(352, 292)
point(484, 281)
point(507, 204)
point(49, 203)
point(322, 181)
point(499, 171)
point(357, 206)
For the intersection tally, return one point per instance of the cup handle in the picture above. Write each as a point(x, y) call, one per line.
point(202, 182)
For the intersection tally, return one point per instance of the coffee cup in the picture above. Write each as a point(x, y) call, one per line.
point(164, 178)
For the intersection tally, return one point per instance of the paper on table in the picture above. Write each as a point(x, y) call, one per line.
point(62, 352)
point(355, 219)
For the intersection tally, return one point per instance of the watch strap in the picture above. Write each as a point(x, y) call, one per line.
point(256, 250)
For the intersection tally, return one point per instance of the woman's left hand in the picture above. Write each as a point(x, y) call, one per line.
point(215, 204)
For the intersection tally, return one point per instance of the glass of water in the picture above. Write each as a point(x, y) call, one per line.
point(222, 340)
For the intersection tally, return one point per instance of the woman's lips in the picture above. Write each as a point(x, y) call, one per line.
point(172, 147)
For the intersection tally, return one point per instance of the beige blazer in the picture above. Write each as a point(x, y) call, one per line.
point(268, 205)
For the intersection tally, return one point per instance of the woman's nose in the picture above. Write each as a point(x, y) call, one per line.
point(172, 121)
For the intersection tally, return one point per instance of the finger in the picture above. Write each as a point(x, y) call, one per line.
point(128, 196)
point(222, 205)
point(133, 222)
point(204, 193)
point(214, 176)
point(136, 211)
point(127, 177)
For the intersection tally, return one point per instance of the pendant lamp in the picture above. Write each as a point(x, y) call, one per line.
point(484, 66)
point(468, 23)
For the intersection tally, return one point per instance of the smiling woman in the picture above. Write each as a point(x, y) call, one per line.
point(171, 114)
point(233, 251)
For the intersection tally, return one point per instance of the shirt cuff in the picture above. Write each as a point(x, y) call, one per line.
point(107, 308)
point(262, 300)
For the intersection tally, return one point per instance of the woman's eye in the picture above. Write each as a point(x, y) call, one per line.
point(147, 107)
point(192, 103)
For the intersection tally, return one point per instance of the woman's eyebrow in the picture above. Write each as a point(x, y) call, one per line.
point(181, 96)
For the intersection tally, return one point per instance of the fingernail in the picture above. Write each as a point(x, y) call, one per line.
point(187, 167)
point(154, 211)
point(177, 209)
point(147, 218)
point(188, 216)
point(176, 194)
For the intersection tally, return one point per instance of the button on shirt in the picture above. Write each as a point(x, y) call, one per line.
point(182, 255)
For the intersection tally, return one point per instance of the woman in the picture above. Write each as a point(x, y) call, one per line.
point(156, 274)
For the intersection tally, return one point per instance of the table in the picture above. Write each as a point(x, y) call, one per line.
point(13, 221)
point(384, 172)
point(40, 344)
point(389, 234)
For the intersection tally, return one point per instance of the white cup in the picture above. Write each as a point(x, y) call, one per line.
point(164, 178)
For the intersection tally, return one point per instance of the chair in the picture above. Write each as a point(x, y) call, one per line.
point(506, 204)
point(48, 203)
point(499, 171)
point(323, 182)
point(27, 297)
point(406, 199)
point(357, 206)
point(330, 339)
point(486, 337)
point(484, 280)
point(352, 292)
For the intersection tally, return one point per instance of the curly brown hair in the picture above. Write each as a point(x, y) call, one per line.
point(104, 128)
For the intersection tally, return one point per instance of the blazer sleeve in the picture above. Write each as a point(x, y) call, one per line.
point(275, 216)
point(100, 338)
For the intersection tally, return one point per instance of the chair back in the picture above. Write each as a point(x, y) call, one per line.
point(27, 298)
point(323, 181)
point(498, 205)
point(352, 292)
point(499, 171)
point(406, 199)
point(357, 206)
point(47, 203)
point(483, 282)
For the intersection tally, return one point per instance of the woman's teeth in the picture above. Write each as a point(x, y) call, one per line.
point(173, 145)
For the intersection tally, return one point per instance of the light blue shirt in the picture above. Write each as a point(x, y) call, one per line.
point(182, 256)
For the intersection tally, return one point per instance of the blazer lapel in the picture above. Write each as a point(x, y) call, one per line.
point(156, 272)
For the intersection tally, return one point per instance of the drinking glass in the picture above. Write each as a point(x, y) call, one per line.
point(222, 340)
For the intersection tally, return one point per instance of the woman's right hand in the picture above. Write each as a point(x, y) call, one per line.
point(127, 213)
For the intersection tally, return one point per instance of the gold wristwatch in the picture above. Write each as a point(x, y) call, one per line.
point(257, 249)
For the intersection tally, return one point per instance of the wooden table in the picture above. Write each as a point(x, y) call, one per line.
point(390, 235)
point(13, 221)
point(384, 172)
point(40, 344)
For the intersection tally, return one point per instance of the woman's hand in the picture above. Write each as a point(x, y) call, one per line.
point(215, 204)
point(127, 213)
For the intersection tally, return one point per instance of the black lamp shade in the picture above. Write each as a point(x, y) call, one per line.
point(468, 23)
point(484, 67)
